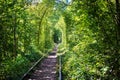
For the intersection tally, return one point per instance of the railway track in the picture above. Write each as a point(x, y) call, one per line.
point(46, 69)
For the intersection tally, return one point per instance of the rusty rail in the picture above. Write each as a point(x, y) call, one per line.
point(60, 68)
point(31, 68)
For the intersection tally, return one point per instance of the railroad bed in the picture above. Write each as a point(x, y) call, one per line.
point(46, 70)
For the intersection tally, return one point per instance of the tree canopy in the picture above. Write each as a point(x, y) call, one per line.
point(88, 30)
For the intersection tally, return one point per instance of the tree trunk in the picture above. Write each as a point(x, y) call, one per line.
point(40, 25)
point(14, 35)
point(118, 17)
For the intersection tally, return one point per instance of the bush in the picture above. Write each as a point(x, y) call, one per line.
point(13, 69)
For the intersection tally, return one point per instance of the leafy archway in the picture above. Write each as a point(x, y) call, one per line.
point(57, 36)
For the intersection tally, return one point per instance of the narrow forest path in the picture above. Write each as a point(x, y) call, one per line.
point(46, 70)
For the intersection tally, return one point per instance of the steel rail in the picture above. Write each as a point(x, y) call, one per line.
point(60, 68)
point(35, 64)
point(31, 68)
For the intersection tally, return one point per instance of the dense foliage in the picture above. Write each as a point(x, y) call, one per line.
point(88, 32)
point(93, 40)
point(25, 35)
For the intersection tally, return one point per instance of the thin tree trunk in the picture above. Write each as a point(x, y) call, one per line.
point(40, 25)
point(14, 34)
point(118, 17)
point(118, 28)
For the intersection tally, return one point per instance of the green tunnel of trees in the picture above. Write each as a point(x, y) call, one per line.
point(57, 36)
point(88, 32)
